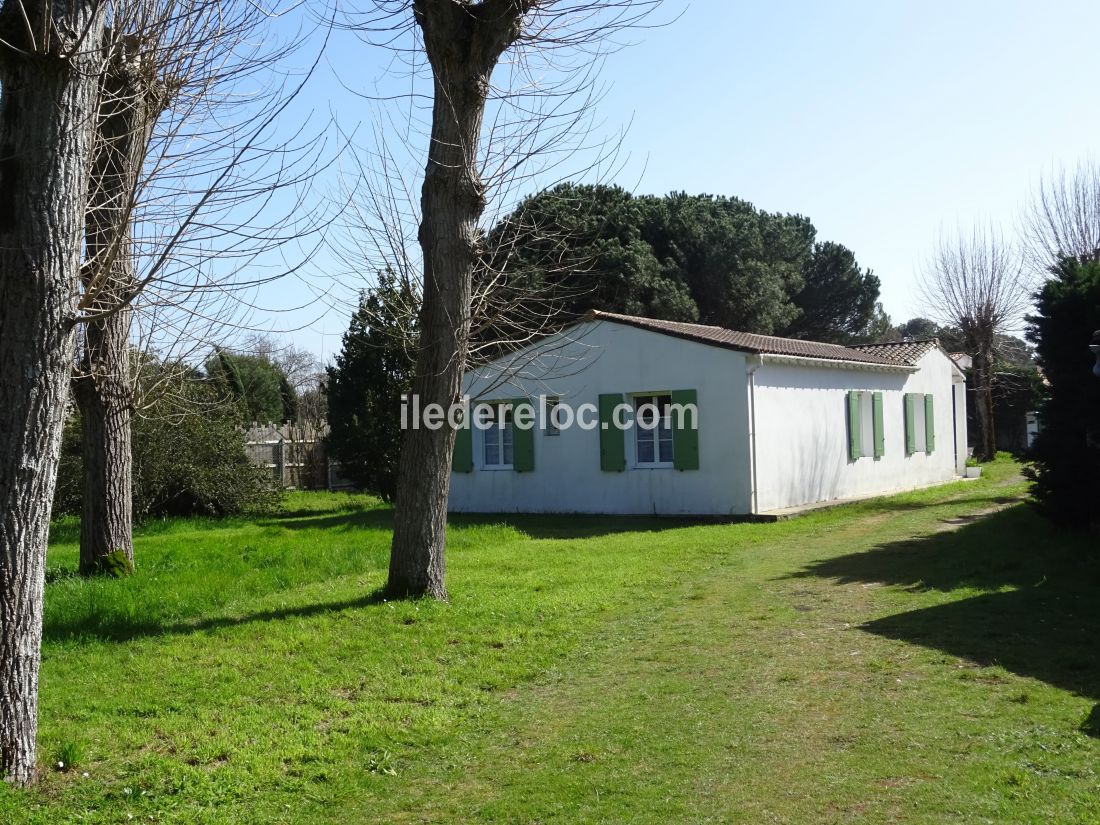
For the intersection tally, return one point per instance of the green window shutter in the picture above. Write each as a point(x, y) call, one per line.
point(929, 425)
point(462, 459)
point(685, 439)
point(612, 438)
point(910, 423)
point(853, 426)
point(523, 441)
point(880, 436)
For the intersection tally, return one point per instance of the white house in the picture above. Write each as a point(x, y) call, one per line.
point(780, 422)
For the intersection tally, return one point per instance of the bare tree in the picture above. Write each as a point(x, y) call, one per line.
point(975, 282)
point(1062, 218)
point(50, 60)
point(171, 68)
point(474, 161)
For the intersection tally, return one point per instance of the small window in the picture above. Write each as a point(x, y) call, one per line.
point(866, 425)
point(865, 436)
point(920, 437)
point(553, 424)
point(497, 435)
point(653, 430)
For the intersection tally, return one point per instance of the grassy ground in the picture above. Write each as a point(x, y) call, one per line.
point(925, 658)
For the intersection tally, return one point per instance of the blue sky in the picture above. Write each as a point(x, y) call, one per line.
point(881, 121)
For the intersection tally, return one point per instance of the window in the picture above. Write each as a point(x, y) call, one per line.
point(497, 434)
point(653, 430)
point(920, 424)
point(865, 429)
point(553, 425)
point(920, 445)
point(867, 425)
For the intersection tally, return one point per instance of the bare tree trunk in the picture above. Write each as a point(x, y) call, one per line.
point(106, 520)
point(463, 44)
point(986, 448)
point(47, 107)
point(131, 100)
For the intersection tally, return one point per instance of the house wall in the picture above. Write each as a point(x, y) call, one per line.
point(802, 432)
point(604, 357)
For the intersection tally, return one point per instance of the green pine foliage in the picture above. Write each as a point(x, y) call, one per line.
point(364, 387)
point(1064, 474)
point(257, 387)
point(706, 258)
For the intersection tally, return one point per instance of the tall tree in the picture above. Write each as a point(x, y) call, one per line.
point(589, 246)
point(838, 301)
point(160, 203)
point(740, 264)
point(1061, 219)
point(1065, 470)
point(686, 257)
point(975, 282)
point(463, 42)
point(50, 56)
point(364, 388)
point(469, 162)
point(131, 100)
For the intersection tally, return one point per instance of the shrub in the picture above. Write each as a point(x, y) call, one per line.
point(185, 462)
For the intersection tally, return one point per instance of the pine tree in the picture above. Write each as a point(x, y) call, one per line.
point(1064, 474)
point(364, 387)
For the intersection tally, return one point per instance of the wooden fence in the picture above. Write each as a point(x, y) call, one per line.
point(295, 455)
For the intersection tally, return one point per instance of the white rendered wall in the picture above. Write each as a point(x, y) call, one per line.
point(802, 434)
point(605, 357)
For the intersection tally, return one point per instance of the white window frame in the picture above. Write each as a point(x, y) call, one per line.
point(500, 435)
point(866, 424)
point(552, 403)
point(920, 430)
point(641, 434)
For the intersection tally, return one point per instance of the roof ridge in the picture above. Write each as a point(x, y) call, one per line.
point(750, 342)
point(599, 313)
point(933, 340)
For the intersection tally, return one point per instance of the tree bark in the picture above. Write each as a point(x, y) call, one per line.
point(131, 99)
point(463, 43)
point(47, 108)
point(986, 449)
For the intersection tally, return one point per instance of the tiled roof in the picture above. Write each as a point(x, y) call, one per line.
point(748, 341)
point(906, 353)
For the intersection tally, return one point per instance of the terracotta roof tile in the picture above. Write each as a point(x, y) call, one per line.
point(906, 353)
point(748, 341)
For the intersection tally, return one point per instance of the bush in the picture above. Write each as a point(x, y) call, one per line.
point(184, 463)
point(1064, 473)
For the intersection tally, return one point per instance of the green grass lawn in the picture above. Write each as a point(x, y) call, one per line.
point(925, 658)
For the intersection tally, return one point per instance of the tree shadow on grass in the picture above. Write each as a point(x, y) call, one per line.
point(1037, 616)
point(125, 629)
point(535, 526)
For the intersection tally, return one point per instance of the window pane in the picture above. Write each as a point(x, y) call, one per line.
point(665, 451)
point(552, 405)
point(507, 453)
point(918, 421)
point(492, 451)
point(506, 433)
point(645, 450)
point(866, 424)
